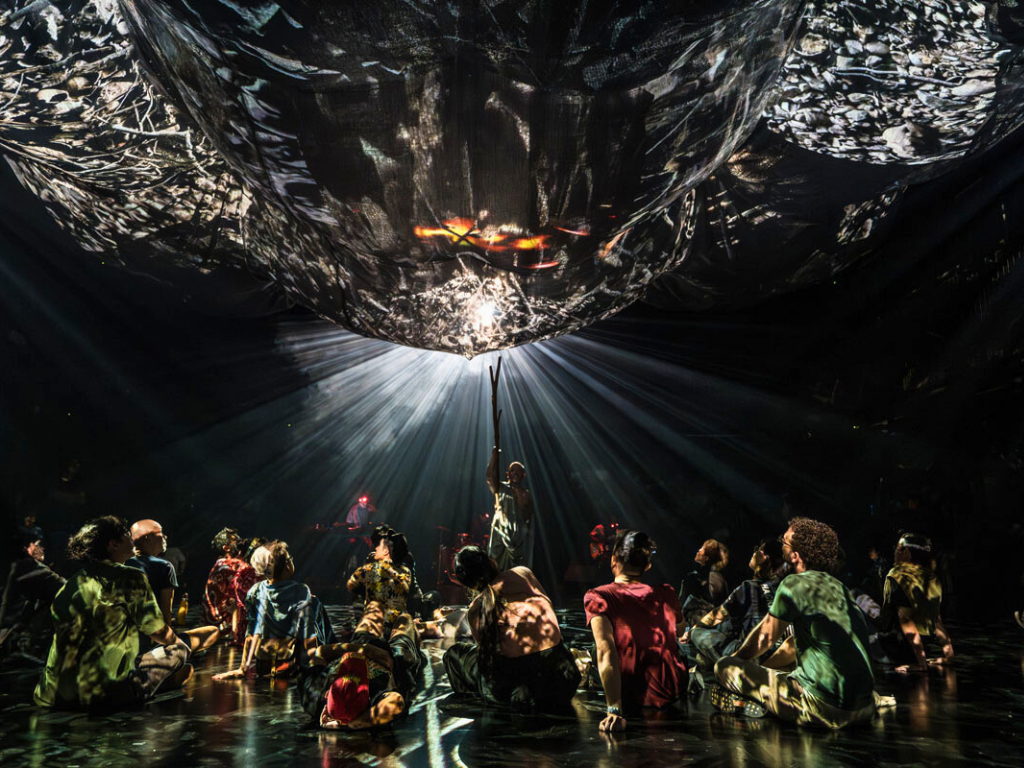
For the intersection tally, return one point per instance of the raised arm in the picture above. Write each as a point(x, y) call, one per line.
point(493, 481)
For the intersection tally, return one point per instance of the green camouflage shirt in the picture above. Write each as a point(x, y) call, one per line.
point(97, 617)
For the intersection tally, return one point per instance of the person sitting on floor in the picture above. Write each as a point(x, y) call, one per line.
point(912, 599)
point(634, 627)
point(150, 542)
point(518, 657)
point(367, 681)
point(705, 587)
point(832, 684)
point(25, 628)
point(285, 614)
point(229, 582)
point(94, 660)
point(720, 632)
point(385, 580)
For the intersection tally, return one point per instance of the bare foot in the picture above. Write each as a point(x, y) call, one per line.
point(906, 669)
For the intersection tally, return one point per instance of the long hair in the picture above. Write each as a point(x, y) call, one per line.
point(92, 540)
point(718, 553)
point(476, 571)
point(634, 549)
point(279, 558)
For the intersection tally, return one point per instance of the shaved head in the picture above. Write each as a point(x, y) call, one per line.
point(149, 537)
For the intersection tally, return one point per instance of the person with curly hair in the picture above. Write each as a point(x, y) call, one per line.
point(634, 628)
point(705, 587)
point(832, 684)
point(229, 582)
point(94, 660)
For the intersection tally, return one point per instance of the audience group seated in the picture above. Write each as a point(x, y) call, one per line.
point(791, 641)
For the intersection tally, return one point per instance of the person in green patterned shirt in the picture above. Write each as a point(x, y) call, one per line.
point(911, 602)
point(832, 684)
point(94, 660)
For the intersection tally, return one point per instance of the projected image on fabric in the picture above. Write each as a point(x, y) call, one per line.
point(471, 176)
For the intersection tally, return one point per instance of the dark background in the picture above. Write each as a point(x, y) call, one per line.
point(889, 398)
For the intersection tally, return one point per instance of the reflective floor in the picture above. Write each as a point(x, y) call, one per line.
point(973, 714)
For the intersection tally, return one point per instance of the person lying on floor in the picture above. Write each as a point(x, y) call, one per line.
point(385, 580)
point(367, 681)
point(94, 660)
point(721, 631)
point(634, 627)
point(911, 605)
point(230, 580)
point(832, 684)
point(286, 614)
point(150, 542)
point(25, 628)
point(518, 657)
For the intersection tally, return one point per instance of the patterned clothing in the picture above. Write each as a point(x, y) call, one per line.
point(511, 541)
point(916, 588)
point(98, 616)
point(832, 660)
point(229, 582)
point(385, 583)
point(288, 610)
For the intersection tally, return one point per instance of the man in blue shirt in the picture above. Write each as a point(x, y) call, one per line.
point(150, 542)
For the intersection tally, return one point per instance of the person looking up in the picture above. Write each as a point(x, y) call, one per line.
point(94, 660)
point(518, 656)
point(385, 580)
point(229, 582)
point(634, 628)
point(720, 632)
point(150, 543)
point(832, 684)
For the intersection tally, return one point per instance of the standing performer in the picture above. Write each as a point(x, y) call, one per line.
point(511, 541)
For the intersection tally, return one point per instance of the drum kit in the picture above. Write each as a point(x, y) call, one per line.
point(446, 552)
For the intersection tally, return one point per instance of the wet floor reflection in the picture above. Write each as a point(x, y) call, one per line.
point(968, 714)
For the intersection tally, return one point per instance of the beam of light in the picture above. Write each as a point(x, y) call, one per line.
point(605, 429)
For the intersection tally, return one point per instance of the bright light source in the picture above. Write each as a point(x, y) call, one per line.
point(485, 313)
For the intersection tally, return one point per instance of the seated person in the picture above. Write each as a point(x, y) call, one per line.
point(283, 613)
point(634, 628)
point(385, 580)
point(150, 542)
point(832, 684)
point(705, 587)
point(98, 615)
point(25, 628)
point(720, 632)
point(518, 657)
point(912, 599)
point(229, 582)
point(367, 681)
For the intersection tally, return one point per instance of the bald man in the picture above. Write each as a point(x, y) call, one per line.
point(150, 542)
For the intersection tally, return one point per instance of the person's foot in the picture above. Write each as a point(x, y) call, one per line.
point(726, 701)
point(1018, 616)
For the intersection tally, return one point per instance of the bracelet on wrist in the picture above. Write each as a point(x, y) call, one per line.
point(617, 711)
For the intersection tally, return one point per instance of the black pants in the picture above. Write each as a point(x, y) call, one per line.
point(545, 680)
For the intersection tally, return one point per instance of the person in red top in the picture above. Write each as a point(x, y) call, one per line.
point(634, 626)
point(229, 582)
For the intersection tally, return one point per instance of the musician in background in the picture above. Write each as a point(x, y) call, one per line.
point(359, 514)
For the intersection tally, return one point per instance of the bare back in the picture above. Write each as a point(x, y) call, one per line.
point(526, 618)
